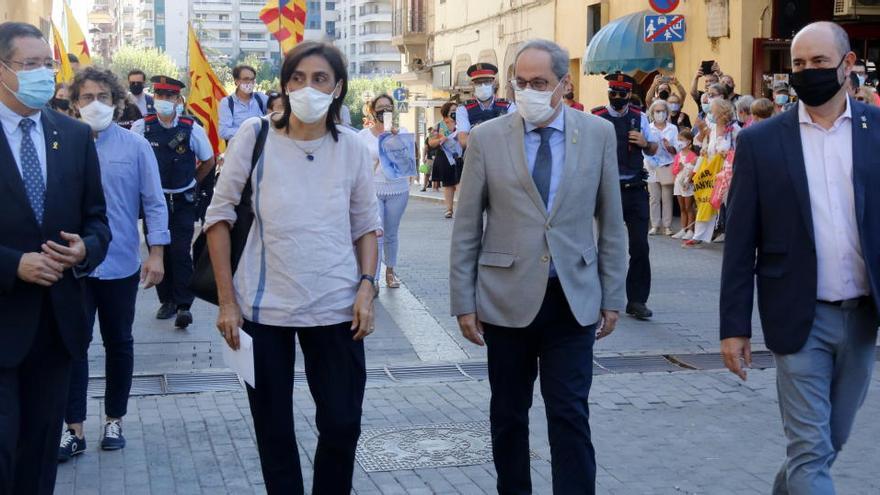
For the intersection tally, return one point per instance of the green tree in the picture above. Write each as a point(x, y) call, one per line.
point(361, 92)
point(150, 60)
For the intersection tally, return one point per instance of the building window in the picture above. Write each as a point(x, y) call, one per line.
point(224, 35)
point(331, 28)
point(254, 36)
point(250, 17)
point(594, 20)
point(223, 17)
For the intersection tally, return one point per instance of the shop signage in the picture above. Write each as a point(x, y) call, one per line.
point(664, 28)
point(664, 6)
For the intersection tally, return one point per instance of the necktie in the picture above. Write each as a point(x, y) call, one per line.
point(31, 171)
point(543, 164)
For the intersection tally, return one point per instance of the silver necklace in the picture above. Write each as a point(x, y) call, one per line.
point(310, 155)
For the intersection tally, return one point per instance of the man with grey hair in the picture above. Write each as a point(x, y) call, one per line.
point(802, 217)
point(744, 110)
point(528, 277)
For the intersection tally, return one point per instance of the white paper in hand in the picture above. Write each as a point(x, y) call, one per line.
point(242, 360)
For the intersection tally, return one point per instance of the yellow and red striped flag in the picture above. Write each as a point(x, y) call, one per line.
point(205, 93)
point(65, 75)
point(76, 39)
point(286, 20)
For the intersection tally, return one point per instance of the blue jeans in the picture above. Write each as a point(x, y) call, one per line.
point(391, 210)
point(114, 303)
point(820, 389)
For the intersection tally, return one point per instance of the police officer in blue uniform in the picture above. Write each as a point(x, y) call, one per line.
point(631, 126)
point(485, 105)
point(185, 156)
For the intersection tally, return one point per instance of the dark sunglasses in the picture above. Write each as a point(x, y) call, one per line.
point(618, 94)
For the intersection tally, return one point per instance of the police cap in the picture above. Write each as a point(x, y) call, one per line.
point(168, 84)
point(620, 81)
point(482, 70)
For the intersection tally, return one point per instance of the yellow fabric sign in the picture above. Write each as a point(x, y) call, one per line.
point(65, 75)
point(76, 39)
point(205, 93)
point(704, 182)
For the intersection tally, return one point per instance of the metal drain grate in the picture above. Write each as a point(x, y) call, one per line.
point(428, 372)
point(188, 383)
point(708, 361)
point(636, 364)
point(140, 385)
point(477, 371)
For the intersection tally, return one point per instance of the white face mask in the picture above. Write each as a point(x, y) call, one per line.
point(484, 92)
point(310, 105)
point(97, 115)
point(247, 88)
point(660, 117)
point(534, 106)
point(680, 145)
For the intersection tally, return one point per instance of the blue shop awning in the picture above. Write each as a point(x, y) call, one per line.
point(620, 46)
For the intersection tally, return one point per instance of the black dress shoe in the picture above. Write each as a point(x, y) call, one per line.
point(166, 311)
point(184, 318)
point(639, 310)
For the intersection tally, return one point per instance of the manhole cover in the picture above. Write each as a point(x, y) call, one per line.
point(431, 446)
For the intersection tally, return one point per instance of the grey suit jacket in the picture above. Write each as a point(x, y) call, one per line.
point(499, 267)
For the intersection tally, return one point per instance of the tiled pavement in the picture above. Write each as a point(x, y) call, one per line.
point(685, 432)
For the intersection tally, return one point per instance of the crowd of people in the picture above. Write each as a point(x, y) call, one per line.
point(549, 244)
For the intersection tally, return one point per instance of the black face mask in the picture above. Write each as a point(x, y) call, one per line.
point(663, 95)
point(136, 88)
point(816, 86)
point(60, 104)
point(728, 90)
point(618, 103)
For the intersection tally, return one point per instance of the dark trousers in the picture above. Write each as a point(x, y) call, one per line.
point(336, 373)
point(32, 399)
point(178, 256)
point(563, 351)
point(637, 218)
point(114, 303)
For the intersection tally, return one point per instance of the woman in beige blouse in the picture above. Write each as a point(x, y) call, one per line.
point(306, 270)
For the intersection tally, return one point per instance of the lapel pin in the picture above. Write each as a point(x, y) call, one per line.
point(864, 125)
point(574, 140)
point(54, 145)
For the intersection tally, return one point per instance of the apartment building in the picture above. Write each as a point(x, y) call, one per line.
point(363, 33)
point(102, 25)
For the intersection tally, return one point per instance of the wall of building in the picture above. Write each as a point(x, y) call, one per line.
point(35, 12)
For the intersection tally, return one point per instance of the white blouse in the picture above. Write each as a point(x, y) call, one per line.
point(384, 185)
point(299, 267)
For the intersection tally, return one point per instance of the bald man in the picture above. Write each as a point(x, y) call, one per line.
point(800, 217)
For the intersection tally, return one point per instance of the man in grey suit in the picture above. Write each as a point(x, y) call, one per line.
point(531, 280)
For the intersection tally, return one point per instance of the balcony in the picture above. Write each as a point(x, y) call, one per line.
point(254, 44)
point(367, 37)
point(409, 26)
point(209, 6)
point(375, 17)
point(217, 44)
point(382, 56)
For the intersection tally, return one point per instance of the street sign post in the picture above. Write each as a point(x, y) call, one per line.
point(401, 94)
point(663, 6)
point(402, 107)
point(664, 28)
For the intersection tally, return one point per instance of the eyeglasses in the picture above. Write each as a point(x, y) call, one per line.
point(105, 98)
point(536, 84)
point(618, 94)
point(50, 64)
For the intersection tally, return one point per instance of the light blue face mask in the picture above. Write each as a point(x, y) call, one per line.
point(781, 99)
point(35, 87)
point(706, 107)
point(165, 108)
point(180, 109)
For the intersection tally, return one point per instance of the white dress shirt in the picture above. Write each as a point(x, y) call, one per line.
point(829, 163)
point(10, 121)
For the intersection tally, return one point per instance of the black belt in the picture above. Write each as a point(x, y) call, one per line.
point(631, 185)
point(170, 198)
point(178, 194)
point(849, 303)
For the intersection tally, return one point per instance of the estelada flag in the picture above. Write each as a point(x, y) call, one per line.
point(76, 39)
point(205, 93)
point(65, 75)
point(286, 20)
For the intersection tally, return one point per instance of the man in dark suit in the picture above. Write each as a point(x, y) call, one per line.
point(805, 217)
point(54, 230)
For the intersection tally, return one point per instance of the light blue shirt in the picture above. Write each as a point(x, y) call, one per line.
point(231, 121)
point(10, 121)
point(557, 148)
point(463, 122)
point(130, 177)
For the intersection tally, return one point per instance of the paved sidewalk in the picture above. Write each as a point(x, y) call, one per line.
point(688, 432)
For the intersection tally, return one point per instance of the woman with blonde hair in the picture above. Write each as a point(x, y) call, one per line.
point(659, 167)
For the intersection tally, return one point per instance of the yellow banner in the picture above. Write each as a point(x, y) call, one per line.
point(704, 182)
point(205, 93)
point(78, 44)
point(65, 75)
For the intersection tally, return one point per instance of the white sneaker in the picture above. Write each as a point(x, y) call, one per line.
point(719, 239)
point(667, 231)
point(688, 235)
point(653, 231)
point(680, 234)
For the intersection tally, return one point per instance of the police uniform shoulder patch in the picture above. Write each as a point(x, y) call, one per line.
point(635, 110)
point(599, 110)
point(470, 104)
point(186, 121)
point(501, 102)
point(150, 118)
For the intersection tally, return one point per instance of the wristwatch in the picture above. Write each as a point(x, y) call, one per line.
point(368, 278)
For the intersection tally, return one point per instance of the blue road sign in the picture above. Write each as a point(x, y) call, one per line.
point(664, 28)
point(401, 94)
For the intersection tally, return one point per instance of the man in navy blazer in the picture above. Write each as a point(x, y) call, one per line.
point(804, 216)
point(53, 229)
